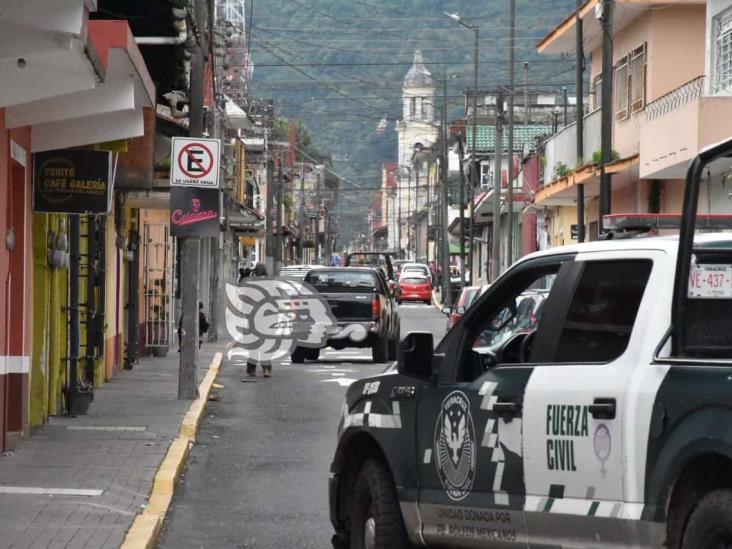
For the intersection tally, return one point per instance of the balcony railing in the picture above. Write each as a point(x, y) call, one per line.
point(561, 148)
point(675, 98)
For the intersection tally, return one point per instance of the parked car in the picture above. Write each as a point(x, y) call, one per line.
point(465, 299)
point(414, 286)
point(357, 295)
point(418, 267)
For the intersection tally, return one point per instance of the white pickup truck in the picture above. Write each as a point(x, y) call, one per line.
point(607, 424)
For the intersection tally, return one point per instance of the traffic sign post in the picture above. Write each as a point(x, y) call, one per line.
point(194, 212)
point(194, 162)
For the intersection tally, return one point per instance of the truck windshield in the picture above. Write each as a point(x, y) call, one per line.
point(328, 281)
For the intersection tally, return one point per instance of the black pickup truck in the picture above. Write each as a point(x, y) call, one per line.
point(362, 303)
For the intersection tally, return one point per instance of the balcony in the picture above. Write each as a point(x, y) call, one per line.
point(677, 126)
point(561, 148)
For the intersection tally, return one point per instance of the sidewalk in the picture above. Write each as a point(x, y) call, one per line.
point(79, 482)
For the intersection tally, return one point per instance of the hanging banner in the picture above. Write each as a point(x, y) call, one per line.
point(73, 181)
point(194, 212)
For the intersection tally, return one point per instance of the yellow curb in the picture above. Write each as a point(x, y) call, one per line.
point(146, 527)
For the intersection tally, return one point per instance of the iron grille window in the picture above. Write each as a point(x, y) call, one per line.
point(621, 89)
point(637, 76)
point(723, 51)
point(597, 91)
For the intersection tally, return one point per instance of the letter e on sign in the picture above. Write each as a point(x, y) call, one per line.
point(194, 162)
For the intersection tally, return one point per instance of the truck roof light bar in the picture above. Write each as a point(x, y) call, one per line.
point(646, 222)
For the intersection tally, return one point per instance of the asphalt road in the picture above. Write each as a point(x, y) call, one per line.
point(257, 476)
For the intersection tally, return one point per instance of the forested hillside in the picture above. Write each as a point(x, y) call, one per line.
point(338, 65)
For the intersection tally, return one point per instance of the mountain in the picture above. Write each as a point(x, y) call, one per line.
point(338, 66)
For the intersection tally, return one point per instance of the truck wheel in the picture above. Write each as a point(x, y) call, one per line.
point(710, 525)
point(393, 348)
point(380, 350)
point(376, 521)
point(298, 355)
point(312, 354)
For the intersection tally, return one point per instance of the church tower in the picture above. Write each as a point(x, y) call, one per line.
point(417, 126)
point(418, 110)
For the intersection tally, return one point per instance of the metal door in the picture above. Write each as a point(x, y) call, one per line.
point(158, 256)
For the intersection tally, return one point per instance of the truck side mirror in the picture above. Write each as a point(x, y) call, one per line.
point(415, 358)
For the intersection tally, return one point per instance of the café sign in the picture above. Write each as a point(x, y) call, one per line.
point(73, 182)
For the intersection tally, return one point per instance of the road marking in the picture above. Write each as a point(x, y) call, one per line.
point(342, 381)
point(339, 370)
point(36, 491)
point(105, 428)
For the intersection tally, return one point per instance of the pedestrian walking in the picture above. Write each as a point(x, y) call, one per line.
point(260, 271)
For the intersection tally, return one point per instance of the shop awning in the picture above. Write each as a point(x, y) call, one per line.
point(110, 111)
point(45, 50)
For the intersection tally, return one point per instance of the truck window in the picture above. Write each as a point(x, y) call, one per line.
point(602, 312)
point(343, 281)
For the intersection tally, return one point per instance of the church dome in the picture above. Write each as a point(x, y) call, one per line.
point(418, 76)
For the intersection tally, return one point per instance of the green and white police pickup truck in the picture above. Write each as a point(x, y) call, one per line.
point(607, 425)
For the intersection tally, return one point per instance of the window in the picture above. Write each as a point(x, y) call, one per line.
point(722, 65)
point(423, 108)
point(637, 76)
point(597, 91)
point(602, 312)
point(413, 106)
point(621, 89)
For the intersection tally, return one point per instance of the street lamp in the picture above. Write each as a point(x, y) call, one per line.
point(473, 162)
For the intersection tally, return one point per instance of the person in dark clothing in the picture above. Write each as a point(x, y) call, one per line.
point(203, 325)
point(244, 273)
point(260, 270)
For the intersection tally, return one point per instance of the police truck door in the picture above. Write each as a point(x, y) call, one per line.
point(585, 354)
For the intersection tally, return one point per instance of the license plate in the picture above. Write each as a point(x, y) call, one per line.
point(710, 282)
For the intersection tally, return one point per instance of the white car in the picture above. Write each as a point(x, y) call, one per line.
point(418, 267)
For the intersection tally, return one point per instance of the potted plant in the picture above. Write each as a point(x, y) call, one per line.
point(77, 403)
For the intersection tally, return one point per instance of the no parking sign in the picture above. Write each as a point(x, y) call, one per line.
point(195, 162)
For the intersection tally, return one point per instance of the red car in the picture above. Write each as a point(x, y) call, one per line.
point(464, 300)
point(414, 287)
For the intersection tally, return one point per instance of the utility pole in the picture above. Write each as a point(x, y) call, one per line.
point(580, 67)
point(318, 206)
point(269, 193)
point(497, 181)
point(474, 151)
point(527, 113)
point(607, 110)
point(446, 292)
point(462, 214)
point(301, 216)
point(511, 175)
point(191, 246)
point(278, 214)
point(565, 106)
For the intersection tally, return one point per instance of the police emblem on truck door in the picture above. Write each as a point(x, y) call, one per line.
point(455, 449)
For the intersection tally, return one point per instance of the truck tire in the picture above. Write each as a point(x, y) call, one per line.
point(710, 525)
point(380, 350)
point(376, 521)
point(312, 354)
point(393, 348)
point(298, 355)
